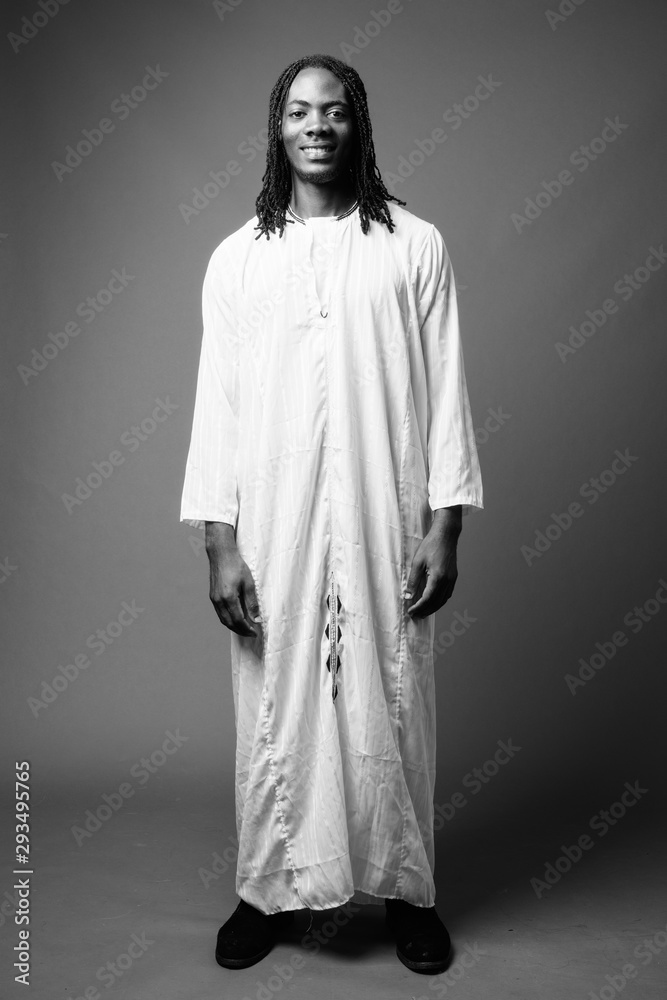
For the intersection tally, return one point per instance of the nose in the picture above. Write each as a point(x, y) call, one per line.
point(317, 124)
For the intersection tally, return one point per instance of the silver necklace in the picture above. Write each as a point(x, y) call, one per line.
point(337, 218)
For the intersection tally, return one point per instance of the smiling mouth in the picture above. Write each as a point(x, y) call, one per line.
point(317, 152)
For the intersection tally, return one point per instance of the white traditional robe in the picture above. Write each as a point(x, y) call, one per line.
point(331, 419)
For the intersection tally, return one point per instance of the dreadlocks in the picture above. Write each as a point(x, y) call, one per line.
point(370, 191)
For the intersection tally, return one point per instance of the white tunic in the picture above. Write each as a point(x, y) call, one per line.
point(331, 419)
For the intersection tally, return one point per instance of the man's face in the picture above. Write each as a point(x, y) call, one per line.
point(318, 129)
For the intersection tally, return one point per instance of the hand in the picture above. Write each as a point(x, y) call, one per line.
point(232, 588)
point(434, 570)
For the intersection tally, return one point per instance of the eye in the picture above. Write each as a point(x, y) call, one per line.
point(335, 111)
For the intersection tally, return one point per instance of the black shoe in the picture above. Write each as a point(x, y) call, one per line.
point(422, 941)
point(248, 936)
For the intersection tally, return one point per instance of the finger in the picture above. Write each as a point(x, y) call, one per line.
point(419, 590)
point(415, 579)
point(422, 607)
point(250, 602)
point(237, 618)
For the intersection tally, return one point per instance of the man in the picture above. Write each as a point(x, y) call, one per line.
point(332, 456)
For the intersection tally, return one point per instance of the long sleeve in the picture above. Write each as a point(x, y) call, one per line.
point(210, 487)
point(454, 475)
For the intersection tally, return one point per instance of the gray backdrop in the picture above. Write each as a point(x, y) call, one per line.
point(547, 183)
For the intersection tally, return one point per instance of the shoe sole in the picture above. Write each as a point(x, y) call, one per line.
point(242, 963)
point(425, 968)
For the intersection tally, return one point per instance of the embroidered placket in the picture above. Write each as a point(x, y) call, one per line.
point(333, 634)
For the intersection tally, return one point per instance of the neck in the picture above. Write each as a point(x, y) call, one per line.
point(315, 200)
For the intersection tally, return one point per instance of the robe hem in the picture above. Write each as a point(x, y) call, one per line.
point(376, 900)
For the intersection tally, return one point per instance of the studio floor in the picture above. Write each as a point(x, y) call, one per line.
point(132, 911)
